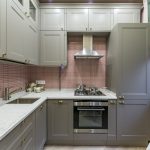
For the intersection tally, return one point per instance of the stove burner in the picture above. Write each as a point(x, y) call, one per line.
point(82, 90)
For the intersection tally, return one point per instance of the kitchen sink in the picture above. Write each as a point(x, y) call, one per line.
point(24, 101)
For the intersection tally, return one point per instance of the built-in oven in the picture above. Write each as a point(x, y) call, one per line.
point(90, 116)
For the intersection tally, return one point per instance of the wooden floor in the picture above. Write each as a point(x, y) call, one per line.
point(91, 148)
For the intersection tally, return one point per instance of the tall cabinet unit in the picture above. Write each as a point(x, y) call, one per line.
point(128, 75)
point(2, 27)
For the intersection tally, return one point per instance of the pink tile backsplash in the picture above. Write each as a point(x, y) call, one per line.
point(87, 71)
point(14, 76)
point(90, 72)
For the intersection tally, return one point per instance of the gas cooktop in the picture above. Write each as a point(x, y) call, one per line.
point(82, 90)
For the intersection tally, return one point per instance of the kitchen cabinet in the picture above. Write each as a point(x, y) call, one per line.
point(126, 16)
point(53, 19)
point(133, 123)
point(22, 42)
point(77, 20)
point(100, 19)
point(60, 121)
point(128, 75)
point(111, 137)
point(15, 32)
point(31, 44)
point(40, 133)
point(84, 19)
point(53, 48)
point(33, 12)
point(22, 137)
point(2, 27)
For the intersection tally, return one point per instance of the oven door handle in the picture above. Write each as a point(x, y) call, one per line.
point(82, 109)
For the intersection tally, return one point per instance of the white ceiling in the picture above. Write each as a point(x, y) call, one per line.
point(90, 1)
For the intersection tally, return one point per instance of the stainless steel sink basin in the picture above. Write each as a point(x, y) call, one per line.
point(24, 101)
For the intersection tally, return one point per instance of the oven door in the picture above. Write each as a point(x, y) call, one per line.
point(91, 119)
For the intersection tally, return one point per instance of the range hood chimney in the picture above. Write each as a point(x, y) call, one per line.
point(88, 51)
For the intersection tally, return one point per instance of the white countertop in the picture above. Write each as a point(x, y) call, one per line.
point(12, 114)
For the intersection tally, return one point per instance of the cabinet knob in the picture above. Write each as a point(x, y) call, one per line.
point(91, 29)
point(60, 102)
point(62, 29)
point(26, 61)
point(86, 29)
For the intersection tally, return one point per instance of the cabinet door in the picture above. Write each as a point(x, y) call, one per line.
point(133, 84)
point(52, 19)
point(52, 48)
point(15, 32)
point(77, 19)
point(100, 19)
point(40, 133)
point(60, 121)
point(133, 57)
point(33, 13)
point(2, 27)
point(111, 139)
point(31, 44)
point(133, 123)
point(126, 16)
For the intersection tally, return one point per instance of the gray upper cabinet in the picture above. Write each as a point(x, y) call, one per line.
point(128, 75)
point(53, 50)
point(40, 132)
point(60, 121)
point(126, 16)
point(53, 19)
point(77, 20)
point(31, 44)
point(100, 19)
point(15, 32)
point(2, 27)
point(84, 19)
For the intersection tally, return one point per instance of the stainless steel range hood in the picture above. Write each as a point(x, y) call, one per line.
point(88, 51)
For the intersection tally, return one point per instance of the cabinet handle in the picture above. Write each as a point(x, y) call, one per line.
point(62, 29)
point(121, 97)
point(121, 102)
point(112, 102)
point(86, 29)
point(4, 55)
point(60, 102)
point(91, 29)
point(41, 107)
point(26, 61)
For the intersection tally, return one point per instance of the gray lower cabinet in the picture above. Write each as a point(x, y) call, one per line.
point(22, 137)
point(40, 132)
point(133, 122)
point(60, 121)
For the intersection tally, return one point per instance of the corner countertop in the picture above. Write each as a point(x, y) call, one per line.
point(12, 115)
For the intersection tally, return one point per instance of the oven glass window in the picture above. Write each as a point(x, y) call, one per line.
point(90, 118)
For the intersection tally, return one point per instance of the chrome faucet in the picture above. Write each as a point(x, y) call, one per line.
point(7, 93)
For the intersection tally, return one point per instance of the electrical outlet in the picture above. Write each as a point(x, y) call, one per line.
point(40, 81)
